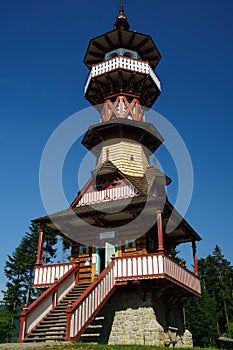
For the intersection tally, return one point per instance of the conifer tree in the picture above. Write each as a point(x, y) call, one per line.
point(201, 319)
point(19, 268)
point(208, 317)
point(6, 325)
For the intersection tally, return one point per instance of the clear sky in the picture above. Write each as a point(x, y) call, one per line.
point(42, 75)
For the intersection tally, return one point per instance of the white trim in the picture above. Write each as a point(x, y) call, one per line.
point(124, 63)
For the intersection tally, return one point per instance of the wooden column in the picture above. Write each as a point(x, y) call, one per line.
point(68, 320)
point(40, 246)
point(22, 327)
point(195, 258)
point(160, 232)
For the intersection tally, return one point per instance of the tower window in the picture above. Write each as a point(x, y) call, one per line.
point(128, 54)
point(114, 54)
point(131, 157)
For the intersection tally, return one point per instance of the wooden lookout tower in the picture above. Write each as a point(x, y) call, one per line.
point(122, 284)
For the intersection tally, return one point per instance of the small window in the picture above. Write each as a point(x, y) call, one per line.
point(130, 245)
point(114, 54)
point(128, 54)
point(83, 250)
point(132, 157)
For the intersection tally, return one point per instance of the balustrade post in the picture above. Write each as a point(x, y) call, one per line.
point(40, 246)
point(160, 232)
point(77, 262)
point(55, 294)
point(22, 327)
point(68, 320)
point(195, 258)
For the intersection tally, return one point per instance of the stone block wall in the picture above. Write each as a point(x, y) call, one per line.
point(130, 320)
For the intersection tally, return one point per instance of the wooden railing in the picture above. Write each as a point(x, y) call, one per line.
point(33, 314)
point(107, 195)
point(124, 269)
point(45, 275)
point(127, 63)
point(156, 265)
point(180, 275)
point(80, 314)
point(120, 270)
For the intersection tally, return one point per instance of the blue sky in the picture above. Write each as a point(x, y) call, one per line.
point(42, 46)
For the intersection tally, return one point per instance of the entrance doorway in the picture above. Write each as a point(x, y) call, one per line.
point(103, 256)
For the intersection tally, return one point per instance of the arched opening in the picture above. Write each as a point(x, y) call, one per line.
point(128, 54)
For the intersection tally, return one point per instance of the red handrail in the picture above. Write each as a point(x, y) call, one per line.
point(52, 290)
point(72, 308)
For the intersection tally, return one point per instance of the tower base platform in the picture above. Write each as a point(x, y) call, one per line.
point(142, 317)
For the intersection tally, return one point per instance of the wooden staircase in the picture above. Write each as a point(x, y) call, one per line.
point(92, 333)
point(53, 327)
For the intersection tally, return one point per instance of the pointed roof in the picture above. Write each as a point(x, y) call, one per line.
point(121, 20)
point(123, 37)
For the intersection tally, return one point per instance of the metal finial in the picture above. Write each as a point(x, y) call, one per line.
point(121, 22)
point(122, 11)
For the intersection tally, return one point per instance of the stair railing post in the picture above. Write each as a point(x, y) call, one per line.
point(68, 320)
point(77, 262)
point(55, 294)
point(22, 328)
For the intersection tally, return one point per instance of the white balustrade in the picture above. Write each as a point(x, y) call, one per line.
point(138, 267)
point(155, 266)
point(32, 315)
point(90, 302)
point(45, 275)
point(126, 269)
point(124, 63)
point(107, 195)
point(179, 274)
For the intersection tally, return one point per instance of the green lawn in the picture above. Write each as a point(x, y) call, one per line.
point(79, 346)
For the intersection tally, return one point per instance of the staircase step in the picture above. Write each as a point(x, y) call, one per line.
point(53, 327)
point(44, 339)
point(54, 320)
point(50, 328)
point(49, 333)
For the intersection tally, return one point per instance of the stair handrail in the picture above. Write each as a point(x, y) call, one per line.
point(52, 293)
point(91, 301)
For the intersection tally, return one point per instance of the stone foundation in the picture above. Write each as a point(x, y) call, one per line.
point(130, 320)
point(136, 326)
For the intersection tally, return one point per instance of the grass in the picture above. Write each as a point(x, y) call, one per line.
point(79, 346)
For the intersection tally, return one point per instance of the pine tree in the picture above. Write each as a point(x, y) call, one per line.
point(19, 268)
point(217, 274)
point(6, 325)
point(209, 316)
point(201, 319)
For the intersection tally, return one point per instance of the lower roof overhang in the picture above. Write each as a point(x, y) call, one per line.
point(89, 219)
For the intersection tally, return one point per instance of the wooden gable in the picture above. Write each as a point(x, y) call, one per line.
point(105, 185)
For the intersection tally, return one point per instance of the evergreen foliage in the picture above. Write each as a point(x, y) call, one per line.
point(19, 270)
point(208, 317)
point(201, 319)
point(229, 332)
point(6, 325)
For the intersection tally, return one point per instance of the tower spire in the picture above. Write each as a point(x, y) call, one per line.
point(122, 11)
point(121, 20)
